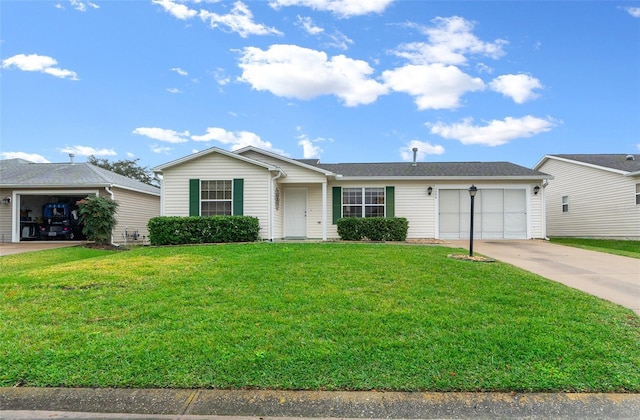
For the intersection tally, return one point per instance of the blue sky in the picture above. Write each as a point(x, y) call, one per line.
point(338, 80)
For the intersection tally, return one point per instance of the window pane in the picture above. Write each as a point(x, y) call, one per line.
point(216, 208)
point(352, 211)
point(374, 195)
point(374, 211)
point(351, 196)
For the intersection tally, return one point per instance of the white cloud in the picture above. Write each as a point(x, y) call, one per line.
point(87, 151)
point(306, 23)
point(39, 63)
point(180, 71)
point(449, 42)
point(31, 157)
point(178, 10)
point(310, 148)
point(155, 148)
point(221, 78)
point(174, 90)
point(81, 6)
point(342, 8)
point(434, 86)
point(237, 139)
point(240, 20)
point(495, 132)
point(633, 11)
point(338, 40)
point(162, 134)
point(518, 87)
point(296, 72)
point(424, 148)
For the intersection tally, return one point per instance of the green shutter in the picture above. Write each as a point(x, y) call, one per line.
point(238, 197)
point(391, 202)
point(194, 197)
point(337, 204)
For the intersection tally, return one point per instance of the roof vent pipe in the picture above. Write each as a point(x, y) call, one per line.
point(71, 156)
point(631, 157)
point(415, 156)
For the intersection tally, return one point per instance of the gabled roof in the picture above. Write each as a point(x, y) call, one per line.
point(436, 170)
point(305, 163)
point(20, 173)
point(626, 164)
point(209, 151)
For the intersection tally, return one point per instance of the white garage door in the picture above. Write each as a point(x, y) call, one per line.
point(498, 214)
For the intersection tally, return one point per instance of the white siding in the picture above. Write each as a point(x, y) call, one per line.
point(215, 166)
point(295, 173)
point(5, 217)
point(134, 211)
point(601, 203)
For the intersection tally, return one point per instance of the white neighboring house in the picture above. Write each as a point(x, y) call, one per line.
point(25, 187)
point(593, 195)
point(303, 198)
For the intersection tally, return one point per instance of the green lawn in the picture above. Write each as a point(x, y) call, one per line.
point(612, 246)
point(304, 316)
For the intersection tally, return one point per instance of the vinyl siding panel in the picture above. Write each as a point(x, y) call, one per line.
point(134, 211)
point(295, 173)
point(601, 203)
point(5, 217)
point(214, 166)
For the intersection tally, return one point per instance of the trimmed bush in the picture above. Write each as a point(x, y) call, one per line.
point(98, 218)
point(176, 230)
point(373, 228)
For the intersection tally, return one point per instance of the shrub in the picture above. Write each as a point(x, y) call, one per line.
point(373, 228)
point(98, 217)
point(176, 230)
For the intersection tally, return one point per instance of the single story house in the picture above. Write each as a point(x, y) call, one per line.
point(593, 195)
point(303, 198)
point(27, 187)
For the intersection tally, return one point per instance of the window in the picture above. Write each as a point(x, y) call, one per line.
point(215, 198)
point(363, 202)
point(637, 193)
point(565, 203)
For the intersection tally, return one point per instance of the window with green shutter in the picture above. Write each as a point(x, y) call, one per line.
point(216, 197)
point(363, 202)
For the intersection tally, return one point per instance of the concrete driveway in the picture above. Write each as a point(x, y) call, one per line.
point(607, 276)
point(21, 247)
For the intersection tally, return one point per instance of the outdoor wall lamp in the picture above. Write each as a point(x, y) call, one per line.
point(6, 200)
point(429, 190)
point(536, 190)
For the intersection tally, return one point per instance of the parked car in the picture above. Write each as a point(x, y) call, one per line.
point(59, 222)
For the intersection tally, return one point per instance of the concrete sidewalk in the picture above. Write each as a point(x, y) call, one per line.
point(22, 403)
point(608, 276)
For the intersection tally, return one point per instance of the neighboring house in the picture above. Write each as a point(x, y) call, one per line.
point(25, 187)
point(302, 198)
point(593, 195)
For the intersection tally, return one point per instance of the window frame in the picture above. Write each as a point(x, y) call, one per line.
point(229, 200)
point(565, 203)
point(364, 202)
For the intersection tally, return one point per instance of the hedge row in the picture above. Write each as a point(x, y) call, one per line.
point(373, 228)
point(176, 230)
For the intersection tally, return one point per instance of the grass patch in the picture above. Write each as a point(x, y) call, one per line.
point(305, 316)
point(611, 246)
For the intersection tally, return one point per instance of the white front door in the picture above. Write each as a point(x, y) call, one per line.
point(295, 213)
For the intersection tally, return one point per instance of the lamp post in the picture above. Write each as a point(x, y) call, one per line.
point(472, 193)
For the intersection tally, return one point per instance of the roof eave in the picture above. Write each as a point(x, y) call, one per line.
point(444, 178)
point(160, 168)
point(283, 158)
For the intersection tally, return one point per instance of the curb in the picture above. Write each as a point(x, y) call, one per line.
point(310, 404)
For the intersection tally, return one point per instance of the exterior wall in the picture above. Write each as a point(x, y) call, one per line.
point(5, 217)
point(601, 203)
point(215, 166)
point(295, 174)
point(134, 211)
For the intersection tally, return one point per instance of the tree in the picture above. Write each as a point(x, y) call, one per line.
point(128, 168)
point(98, 218)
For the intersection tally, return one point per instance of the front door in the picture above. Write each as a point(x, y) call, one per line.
point(295, 213)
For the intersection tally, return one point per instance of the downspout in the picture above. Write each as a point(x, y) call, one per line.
point(271, 204)
point(544, 210)
point(112, 199)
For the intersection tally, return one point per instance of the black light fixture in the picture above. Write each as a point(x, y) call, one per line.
point(6, 200)
point(536, 190)
point(430, 190)
point(472, 193)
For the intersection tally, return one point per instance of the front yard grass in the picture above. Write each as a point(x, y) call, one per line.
point(612, 246)
point(330, 316)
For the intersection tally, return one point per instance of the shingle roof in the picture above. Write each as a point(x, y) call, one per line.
point(433, 170)
point(19, 173)
point(618, 162)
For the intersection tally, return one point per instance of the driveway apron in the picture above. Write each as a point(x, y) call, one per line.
point(607, 276)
